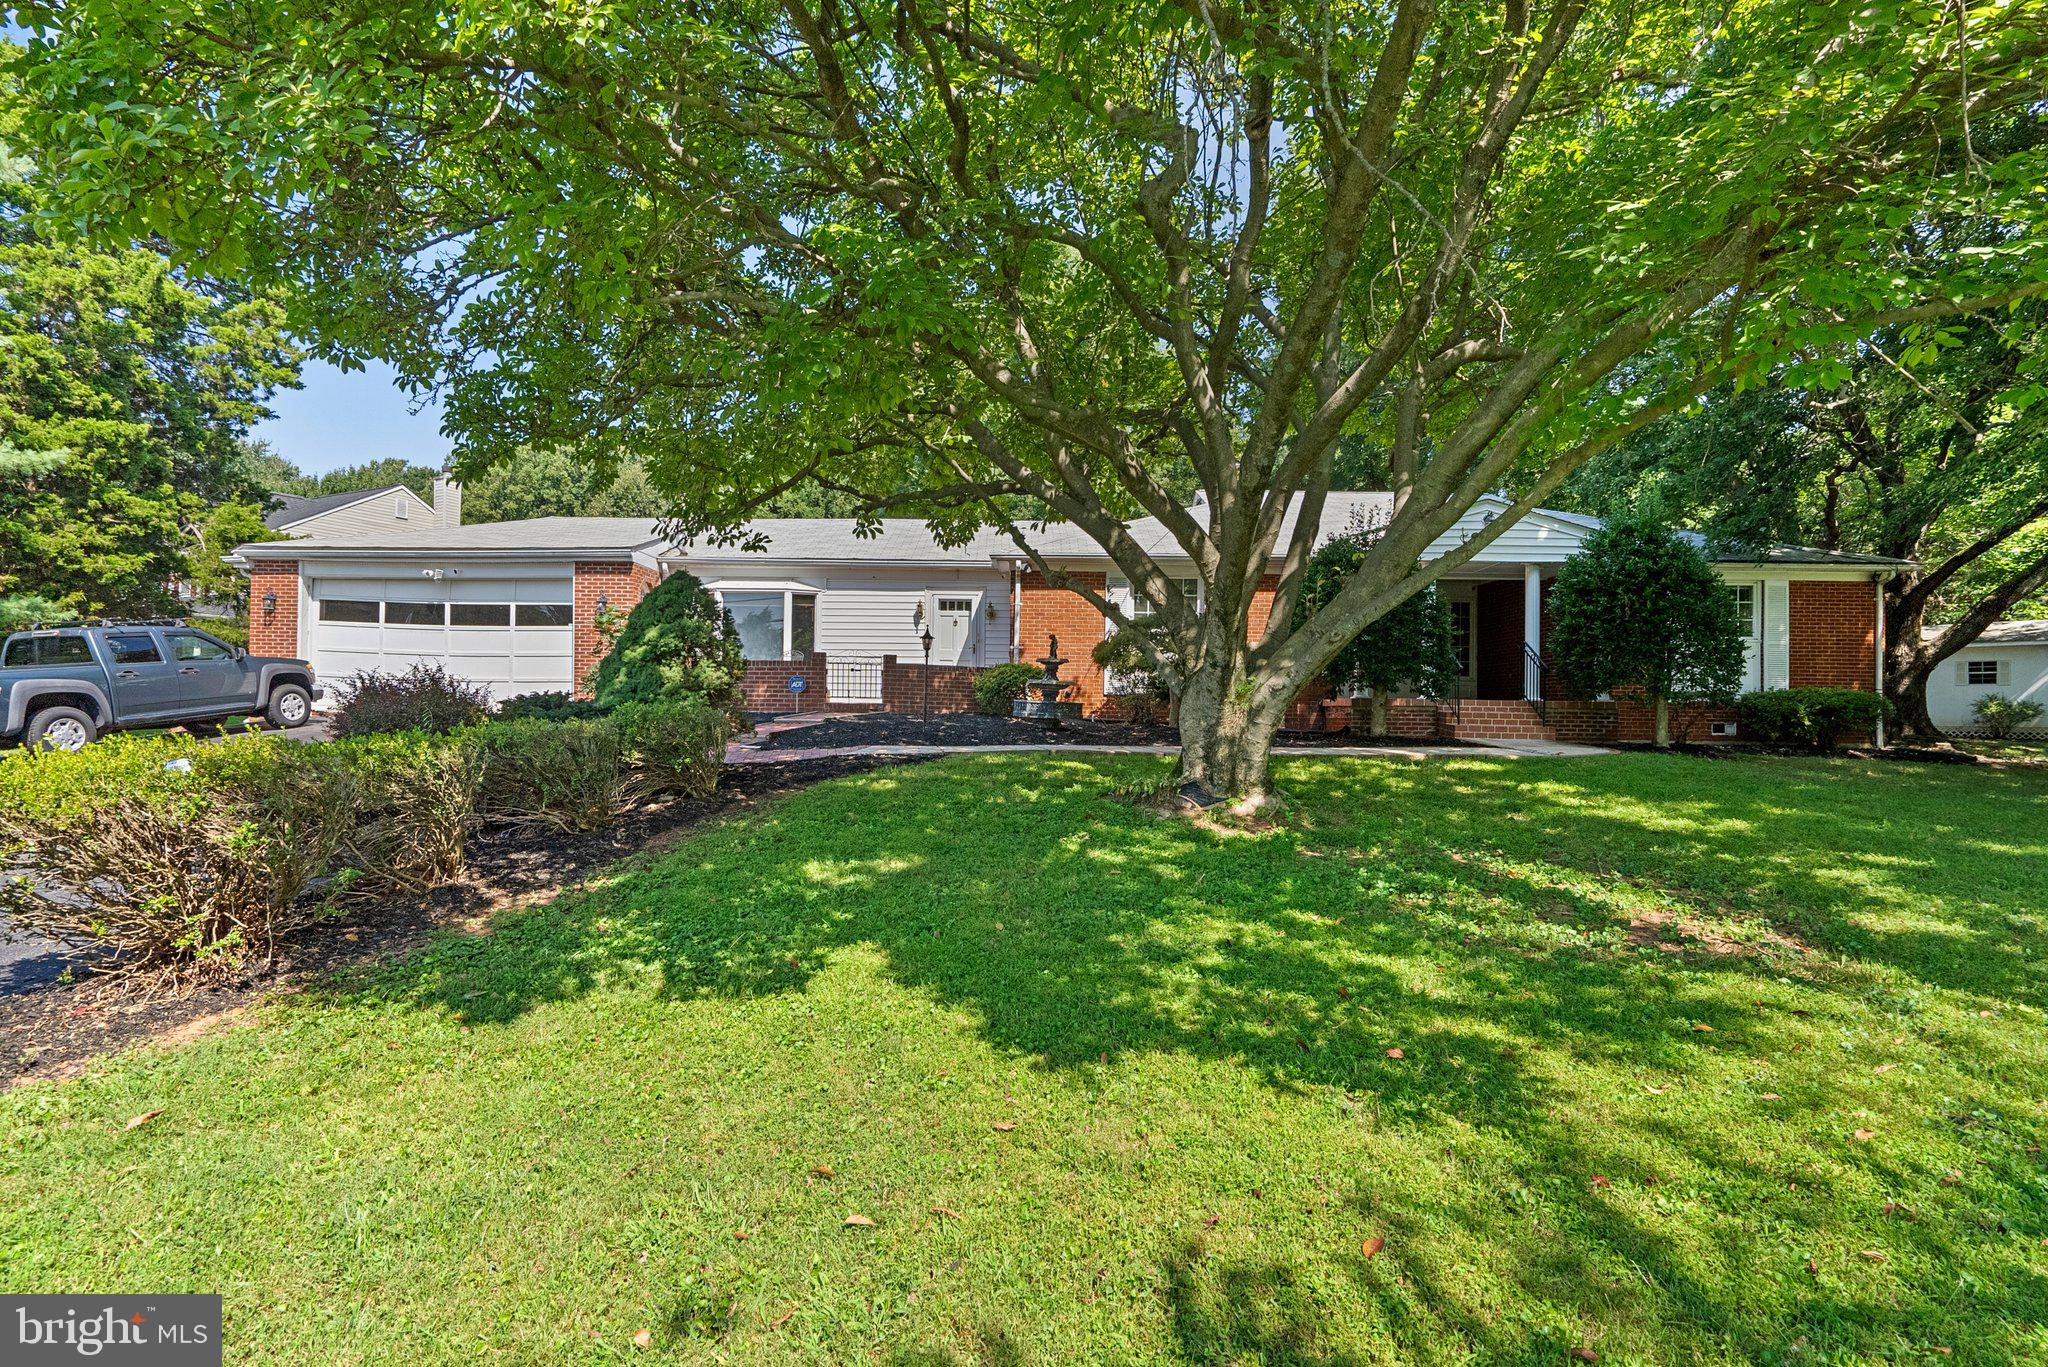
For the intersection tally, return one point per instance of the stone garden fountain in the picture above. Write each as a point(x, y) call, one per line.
point(1047, 706)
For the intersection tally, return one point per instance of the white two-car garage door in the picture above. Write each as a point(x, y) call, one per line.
point(516, 635)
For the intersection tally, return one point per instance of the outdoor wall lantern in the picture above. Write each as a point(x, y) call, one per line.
point(269, 602)
point(603, 603)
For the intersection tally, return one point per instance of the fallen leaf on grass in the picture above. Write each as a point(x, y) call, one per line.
point(1949, 1179)
point(1884, 1067)
point(1656, 1091)
point(860, 1221)
point(1212, 1222)
point(1872, 1255)
point(741, 1235)
point(1862, 1135)
point(1600, 1182)
point(1395, 1053)
point(782, 1319)
point(1585, 1355)
point(945, 1212)
point(822, 1170)
point(643, 1339)
point(1770, 1096)
point(1004, 1126)
point(1371, 1247)
point(1703, 1027)
point(135, 1122)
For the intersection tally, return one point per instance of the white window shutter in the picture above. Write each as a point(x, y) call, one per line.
point(1963, 672)
point(1777, 633)
point(2005, 673)
point(1118, 591)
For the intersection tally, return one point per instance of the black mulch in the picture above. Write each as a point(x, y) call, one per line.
point(971, 728)
point(54, 1029)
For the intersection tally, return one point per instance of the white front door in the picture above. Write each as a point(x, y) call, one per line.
point(952, 628)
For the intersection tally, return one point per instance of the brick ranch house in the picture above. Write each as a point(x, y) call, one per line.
point(516, 606)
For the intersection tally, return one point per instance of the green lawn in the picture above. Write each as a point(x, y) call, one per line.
point(652, 1105)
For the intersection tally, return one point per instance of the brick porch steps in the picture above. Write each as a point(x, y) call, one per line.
point(1495, 719)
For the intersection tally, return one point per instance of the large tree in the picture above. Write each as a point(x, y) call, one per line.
point(995, 263)
point(125, 386)
point(1934, 455)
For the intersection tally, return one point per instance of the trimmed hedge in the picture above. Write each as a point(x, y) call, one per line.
point(996, 687)
point(549, 707)
point(677, 642)
point(192, 862)
point(1816, 717)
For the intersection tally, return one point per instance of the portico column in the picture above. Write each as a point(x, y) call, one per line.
point(1532, 632)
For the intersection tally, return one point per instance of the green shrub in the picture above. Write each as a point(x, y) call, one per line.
point(1818, 717)
point(998, 686)
point(569, 774)
point(548, 707)
point(2000, 717)
point(423, 698)
point(675, 747)
point(190, 862)
point(1130, 674)
point(417, 798)
point(677, 642)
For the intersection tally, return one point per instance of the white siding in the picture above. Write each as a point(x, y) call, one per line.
point(874, 612)
point(370, 517)
point(1536, 539)
point(2022, 672)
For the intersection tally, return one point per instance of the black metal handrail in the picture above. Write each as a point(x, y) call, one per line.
point(1533, 670)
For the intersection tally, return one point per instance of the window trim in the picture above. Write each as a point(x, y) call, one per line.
point(391, 603)
point(1970, 679)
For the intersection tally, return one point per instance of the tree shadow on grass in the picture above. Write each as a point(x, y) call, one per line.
point(1448, 915)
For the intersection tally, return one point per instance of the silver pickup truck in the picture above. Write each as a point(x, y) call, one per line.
point(62, 687)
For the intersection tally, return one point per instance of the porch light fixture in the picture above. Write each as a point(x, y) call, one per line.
point(603, 603)
point(269, 602)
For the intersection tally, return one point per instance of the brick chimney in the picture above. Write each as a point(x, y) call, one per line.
point(447, 502)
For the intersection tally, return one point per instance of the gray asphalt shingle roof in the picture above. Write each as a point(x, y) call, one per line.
point(899, 540)
point(2012, 633)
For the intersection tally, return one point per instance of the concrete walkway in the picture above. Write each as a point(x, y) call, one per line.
point(740, 752)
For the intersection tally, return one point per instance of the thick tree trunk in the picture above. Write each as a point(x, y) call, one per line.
point(1663, 710)
point(1227, 725)
point(1378, 728)
point(1905, 683)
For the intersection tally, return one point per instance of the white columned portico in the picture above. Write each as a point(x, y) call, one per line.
point(1532, 632)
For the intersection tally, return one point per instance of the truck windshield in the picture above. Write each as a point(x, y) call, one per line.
point(34, 651)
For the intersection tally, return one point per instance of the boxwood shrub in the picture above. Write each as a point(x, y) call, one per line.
point(1816, 717)
point(996, 687)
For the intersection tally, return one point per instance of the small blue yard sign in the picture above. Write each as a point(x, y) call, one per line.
point(797, 683)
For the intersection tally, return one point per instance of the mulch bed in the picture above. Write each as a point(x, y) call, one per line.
point(853, 729)
point(53, 1031)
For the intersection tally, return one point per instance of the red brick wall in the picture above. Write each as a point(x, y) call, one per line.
point(622, 584)
point(1046, 611)
point(275, 632)
point(765, 685)
point(952, 686)
point(1834, 634)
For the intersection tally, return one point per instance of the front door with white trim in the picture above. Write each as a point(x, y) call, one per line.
point(952, 628)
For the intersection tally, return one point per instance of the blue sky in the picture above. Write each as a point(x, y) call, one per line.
point(348, 417)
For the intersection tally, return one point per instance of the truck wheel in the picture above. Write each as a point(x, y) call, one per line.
point(290, 705)
point(60, 728)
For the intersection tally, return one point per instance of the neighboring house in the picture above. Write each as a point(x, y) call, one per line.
point(515, 605)
point(2009, 658)
point(363, 512)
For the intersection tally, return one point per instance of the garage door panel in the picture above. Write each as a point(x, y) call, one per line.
point(506, 659)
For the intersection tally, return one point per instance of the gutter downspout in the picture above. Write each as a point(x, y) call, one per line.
point(1016, 611)
point(1877, 635)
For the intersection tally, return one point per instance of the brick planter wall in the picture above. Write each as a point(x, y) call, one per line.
point(904, 682)
point(275, 632)
point(765, 686)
